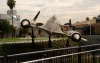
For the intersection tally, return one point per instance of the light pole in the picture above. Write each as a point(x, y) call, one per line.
point(89, 27)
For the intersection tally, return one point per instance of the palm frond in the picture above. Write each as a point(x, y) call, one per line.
point(11, 3)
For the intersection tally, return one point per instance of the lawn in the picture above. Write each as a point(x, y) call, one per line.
point(11, 39)
point(26, 39)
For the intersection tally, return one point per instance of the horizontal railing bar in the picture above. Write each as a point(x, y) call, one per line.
point(52, 50)
point(61, 56)
point(1, 56)
point(37, 52)
point(91, 45)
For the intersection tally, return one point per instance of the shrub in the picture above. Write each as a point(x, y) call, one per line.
point(27, 47)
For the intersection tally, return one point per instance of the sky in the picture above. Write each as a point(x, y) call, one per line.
point(76, 10)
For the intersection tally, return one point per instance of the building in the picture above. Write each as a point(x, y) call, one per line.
point(16, 21)
point(89, 27)
point(88, 22)
point(65, 28)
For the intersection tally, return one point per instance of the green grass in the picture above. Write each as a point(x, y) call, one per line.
point(9, 39)
point(12, 39)
point(25, 39)
point(40, 38)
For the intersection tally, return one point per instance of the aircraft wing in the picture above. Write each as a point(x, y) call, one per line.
point(51, 28)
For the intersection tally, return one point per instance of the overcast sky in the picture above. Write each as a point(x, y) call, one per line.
point(77, 10)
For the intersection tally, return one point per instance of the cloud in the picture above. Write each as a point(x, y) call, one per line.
point(77, 10)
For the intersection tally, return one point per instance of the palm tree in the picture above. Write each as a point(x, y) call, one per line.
point(11, 4)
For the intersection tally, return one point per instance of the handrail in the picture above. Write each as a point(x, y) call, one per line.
point(1, 56)
point(61, 56)
point(37, 52)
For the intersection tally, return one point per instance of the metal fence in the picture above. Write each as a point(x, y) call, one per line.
point(78, 54)
point(70, 58)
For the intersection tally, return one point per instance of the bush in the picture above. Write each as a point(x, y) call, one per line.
point(27, 47)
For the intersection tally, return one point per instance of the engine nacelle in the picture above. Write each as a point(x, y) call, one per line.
point(74, 35)
point(25, 23)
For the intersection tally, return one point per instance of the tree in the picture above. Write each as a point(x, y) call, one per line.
point(11, 4)
point(94, 18)
point(23, 32)
point(39, 24)
point(87, 19)
point(98, 19)
point(66, 24)
point(5, 26)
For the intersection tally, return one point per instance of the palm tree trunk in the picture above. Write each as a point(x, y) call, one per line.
point(12, 22)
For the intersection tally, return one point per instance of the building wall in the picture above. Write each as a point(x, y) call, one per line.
point(94, 26)
point(16, 23)
point(36, 33)
point(10, 12)
point(85, 22)
point(83, 25)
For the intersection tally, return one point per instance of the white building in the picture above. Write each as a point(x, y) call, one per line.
point(16, 22)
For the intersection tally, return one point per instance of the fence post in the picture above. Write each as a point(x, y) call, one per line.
point(5, 59)
point(79, 55)
point(93, 54)
point(5, 53)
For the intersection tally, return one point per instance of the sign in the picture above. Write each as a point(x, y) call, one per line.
point(65, 28)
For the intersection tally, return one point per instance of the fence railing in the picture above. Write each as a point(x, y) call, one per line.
point(69, 58)
point(78, 54)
